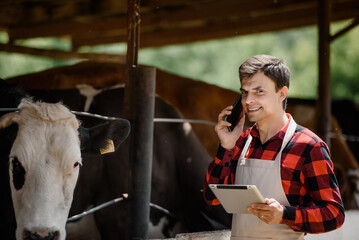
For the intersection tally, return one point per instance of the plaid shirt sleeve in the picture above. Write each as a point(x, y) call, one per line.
point(321, 209)
point(221, 169)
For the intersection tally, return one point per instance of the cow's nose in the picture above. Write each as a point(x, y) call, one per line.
point(41, 235)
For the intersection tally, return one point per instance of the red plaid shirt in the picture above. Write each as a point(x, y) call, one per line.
point(307, 177)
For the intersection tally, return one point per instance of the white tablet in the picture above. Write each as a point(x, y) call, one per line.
point(236, 198)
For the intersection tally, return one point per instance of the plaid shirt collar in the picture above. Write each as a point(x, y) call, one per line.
point(280, 135)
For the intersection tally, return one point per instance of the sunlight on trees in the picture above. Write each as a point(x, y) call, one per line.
point(14, 64)
point(217, 61)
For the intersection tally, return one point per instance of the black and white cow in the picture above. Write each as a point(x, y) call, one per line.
point(178, 169)
point(40, 157)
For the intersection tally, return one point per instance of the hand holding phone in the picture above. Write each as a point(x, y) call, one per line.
point(236, 115)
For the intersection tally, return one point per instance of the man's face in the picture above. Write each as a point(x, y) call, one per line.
point(260, 100)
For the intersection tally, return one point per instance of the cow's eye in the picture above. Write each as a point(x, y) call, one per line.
point(18, 173)
point(78, 163)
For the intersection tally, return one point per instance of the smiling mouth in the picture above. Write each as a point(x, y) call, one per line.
point(250, 110)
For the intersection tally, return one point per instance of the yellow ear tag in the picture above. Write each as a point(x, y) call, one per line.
point(109, 148)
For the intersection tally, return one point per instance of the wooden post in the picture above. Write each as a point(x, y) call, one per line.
point(141, 102)
point(139, 109)
point(133, 31)
point(133, 41)
point(324, 86)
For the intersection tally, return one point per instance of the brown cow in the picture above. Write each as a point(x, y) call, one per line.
point(195, 100)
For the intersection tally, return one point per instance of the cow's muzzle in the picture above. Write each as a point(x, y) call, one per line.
point(40, 235)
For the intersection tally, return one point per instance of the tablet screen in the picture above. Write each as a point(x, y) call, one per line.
point(236, 198)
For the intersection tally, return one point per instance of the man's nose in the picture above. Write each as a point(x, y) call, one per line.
point(250, 98)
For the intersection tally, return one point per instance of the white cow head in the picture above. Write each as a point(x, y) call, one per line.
point(43, 167)
point(44, 164)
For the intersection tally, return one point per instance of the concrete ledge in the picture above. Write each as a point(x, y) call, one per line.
point(213, 235)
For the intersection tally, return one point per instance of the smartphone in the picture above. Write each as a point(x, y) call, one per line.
point(236, 115)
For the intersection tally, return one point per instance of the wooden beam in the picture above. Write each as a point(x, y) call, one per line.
point(34, 12)
point(68, 28)
point(161, 17)
point(354, 23)
point(324, 86)
point(27, 13)
point(160, 36)
point(133, 32)
point(12, 2)
point(49, 10)
point(196, 18)
point(62, 54)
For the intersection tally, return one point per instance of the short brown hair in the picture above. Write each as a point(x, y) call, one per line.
point(272, 67)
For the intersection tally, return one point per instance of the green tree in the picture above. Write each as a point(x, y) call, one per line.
point(217, 61)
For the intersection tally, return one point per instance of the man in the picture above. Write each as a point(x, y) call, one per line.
point(290, 165)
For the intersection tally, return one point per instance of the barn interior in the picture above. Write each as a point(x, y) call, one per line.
point(154, 23)
point(159, 23)
point(91, 22)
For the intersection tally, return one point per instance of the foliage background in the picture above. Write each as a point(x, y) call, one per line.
point(217, 61)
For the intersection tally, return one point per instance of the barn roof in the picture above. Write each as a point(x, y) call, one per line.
point(92, 22)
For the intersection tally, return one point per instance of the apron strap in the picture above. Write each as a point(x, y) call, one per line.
point(289, 134)
point(246, 146)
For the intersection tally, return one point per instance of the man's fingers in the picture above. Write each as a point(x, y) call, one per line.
point(264, 215)
point(261, 214)
point(221, 122)
point(239, 128)
point(260, 206)
point(224, 112)
point(270, 212)
point(269, 200)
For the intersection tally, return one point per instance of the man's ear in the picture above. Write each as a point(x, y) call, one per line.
point(104, 138)
point(283, 93)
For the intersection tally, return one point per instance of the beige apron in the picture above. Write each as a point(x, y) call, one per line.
point(265, 174)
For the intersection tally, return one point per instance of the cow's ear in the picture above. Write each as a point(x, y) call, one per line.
point(7, 119)
point(104, 138)
point(8, 132)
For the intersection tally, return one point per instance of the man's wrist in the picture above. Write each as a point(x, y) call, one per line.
point(288, 215)
point(228, 147)
point(223, 153)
